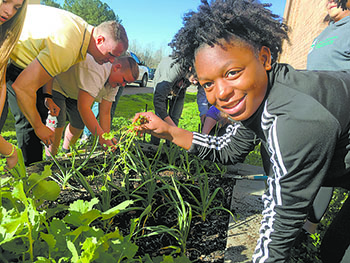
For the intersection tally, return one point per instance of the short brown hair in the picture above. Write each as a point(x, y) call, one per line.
point(129, 63)
point(115, 30)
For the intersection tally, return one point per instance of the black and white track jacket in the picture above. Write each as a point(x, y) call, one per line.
point(303, 125)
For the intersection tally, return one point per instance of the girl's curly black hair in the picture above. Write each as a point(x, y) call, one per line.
point(341, 3)
point(247, 20)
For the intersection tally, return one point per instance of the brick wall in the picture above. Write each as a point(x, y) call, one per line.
point(305, 18)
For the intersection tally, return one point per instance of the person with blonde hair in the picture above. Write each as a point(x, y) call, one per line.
point(12, 14)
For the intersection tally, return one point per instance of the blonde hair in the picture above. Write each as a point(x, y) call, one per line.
point(115, 30)
point(10, 32)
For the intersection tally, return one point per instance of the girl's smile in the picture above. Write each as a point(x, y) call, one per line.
point(234, 77)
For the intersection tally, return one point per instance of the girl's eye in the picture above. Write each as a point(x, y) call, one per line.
point(232, 73)
point(208, 85)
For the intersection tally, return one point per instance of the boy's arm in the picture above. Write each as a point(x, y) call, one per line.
point(85, 101)
point(105, 115)
point(54, 110)
point(230, 148)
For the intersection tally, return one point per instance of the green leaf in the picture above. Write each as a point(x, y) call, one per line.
point(18, 192)
point(89, 246)
point(117, 209)
point(12, 223)
point(124, 249)
point(73, 250)
point(43, 260)
point(46, 190)
point(83, 206)
point(49, 239)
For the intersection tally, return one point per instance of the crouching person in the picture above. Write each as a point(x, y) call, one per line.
point(74, 92)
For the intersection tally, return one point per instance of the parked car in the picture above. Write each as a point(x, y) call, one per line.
point(143, 75)
point(151, 72)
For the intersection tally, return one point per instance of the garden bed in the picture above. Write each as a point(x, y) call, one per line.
point(206, 240)
point(137, 205)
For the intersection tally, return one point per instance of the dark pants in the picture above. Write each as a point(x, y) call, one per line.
point(27, 140)
point(175, 107)
point(115, 102)
point(337, 238)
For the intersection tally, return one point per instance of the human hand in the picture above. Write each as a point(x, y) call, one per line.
point(12, 159)
point(54, 110)
point(148, 122)
point(107, 141)
point(19, 170)
point(45, 134)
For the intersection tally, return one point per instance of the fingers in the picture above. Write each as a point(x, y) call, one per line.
point(54, 112)
point(47, 142)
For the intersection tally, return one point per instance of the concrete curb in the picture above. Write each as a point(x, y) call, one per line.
point(243, 232)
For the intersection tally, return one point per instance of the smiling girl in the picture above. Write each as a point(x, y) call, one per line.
point(12, 14)
point(301, 117)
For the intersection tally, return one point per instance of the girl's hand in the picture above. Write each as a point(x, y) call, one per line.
point(148, 122)
point(12, 160)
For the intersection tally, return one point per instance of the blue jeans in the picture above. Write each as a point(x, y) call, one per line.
point(95, 109)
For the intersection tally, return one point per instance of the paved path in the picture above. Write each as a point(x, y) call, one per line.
point(135, 88)
point(247, 205)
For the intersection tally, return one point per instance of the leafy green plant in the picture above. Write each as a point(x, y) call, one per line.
point(69, 169)
point(184, 217)
point(21, 221)
point(206, 202)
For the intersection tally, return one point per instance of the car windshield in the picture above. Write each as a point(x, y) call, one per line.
point(135, 57)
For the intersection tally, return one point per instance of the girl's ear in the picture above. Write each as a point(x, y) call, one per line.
point(265, 57)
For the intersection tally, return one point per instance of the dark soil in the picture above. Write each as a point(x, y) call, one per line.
point(206, 241)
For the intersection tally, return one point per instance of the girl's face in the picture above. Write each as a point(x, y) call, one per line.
point(8, 9)
point(336, 13)
point(234, 78)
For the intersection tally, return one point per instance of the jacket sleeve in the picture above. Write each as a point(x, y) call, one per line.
point(300, 149)
point(231, 148)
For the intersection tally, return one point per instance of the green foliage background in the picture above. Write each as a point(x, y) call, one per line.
point(92, 11)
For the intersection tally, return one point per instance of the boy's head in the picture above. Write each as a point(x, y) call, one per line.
point(124, 70)
point(231, 44)
point(109, 40)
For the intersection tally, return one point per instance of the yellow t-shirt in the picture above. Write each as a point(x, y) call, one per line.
point(56, 38)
